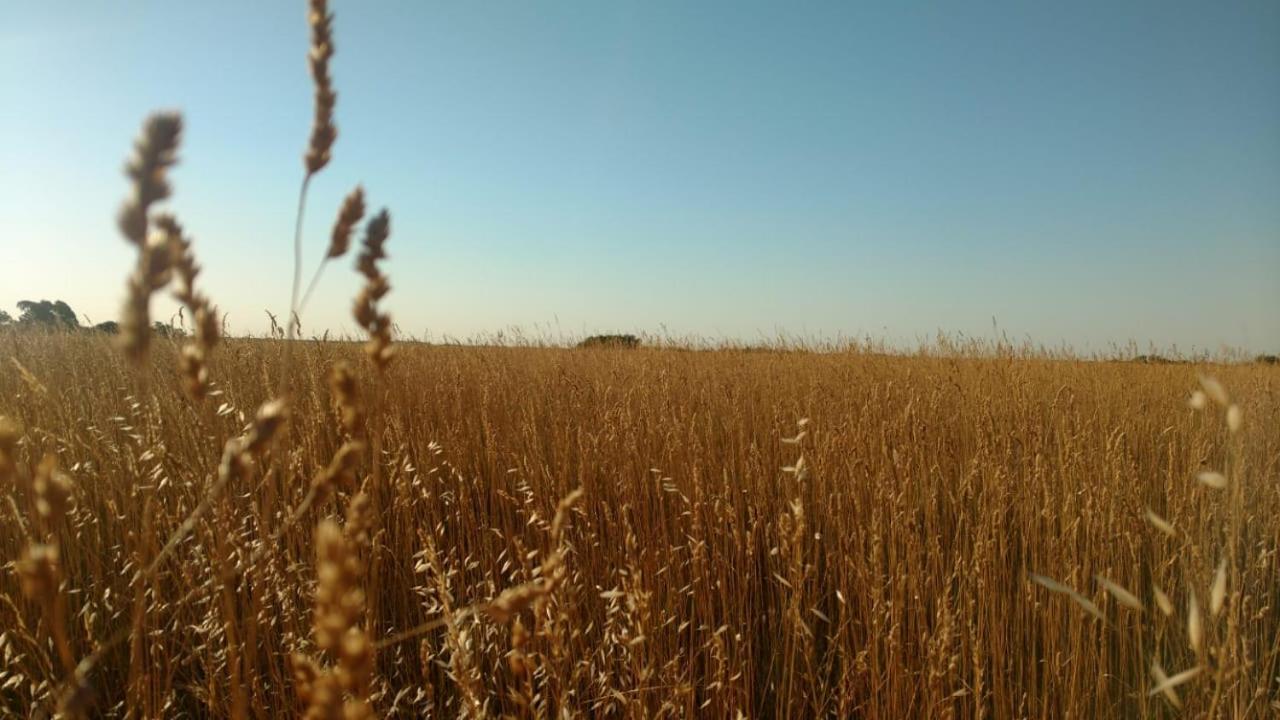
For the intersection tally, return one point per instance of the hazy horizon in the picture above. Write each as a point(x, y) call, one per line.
point(1087, 175)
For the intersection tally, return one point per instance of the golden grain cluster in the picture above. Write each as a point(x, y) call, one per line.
point(240, 528)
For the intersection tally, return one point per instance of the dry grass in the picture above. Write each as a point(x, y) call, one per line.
point(542, 532)
point(886, 577)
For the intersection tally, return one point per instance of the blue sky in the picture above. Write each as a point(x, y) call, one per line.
point(1085, 173)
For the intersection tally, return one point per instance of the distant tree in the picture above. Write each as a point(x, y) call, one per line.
point(5, 318)
point(51, 314)
point(167, 330)
point(1268, 359)
point(66, 314)
point(36, 313)
point(111, 327)
point(615, 341)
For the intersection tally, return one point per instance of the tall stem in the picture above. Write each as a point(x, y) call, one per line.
point(291, 322)
point(297, 247)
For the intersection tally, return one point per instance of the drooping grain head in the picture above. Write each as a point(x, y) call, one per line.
point(181, 257)
point(318, 690)
point(339, 598)
point(376, 233)
point(323, 131)
point(52, 489)
point(39, 571)
point(155, 151)
point(355, 662)
point(340, 472)
point(366, 310)
point(346, 398)
point(9, 434)
point(359, 521)
point(194, 359)
point(152, 273)
point(271, 416)
point(349, 215)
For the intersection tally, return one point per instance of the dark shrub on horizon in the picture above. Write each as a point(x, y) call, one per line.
point(610, 341)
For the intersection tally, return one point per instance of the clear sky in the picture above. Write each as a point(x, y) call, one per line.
point(1085, 173)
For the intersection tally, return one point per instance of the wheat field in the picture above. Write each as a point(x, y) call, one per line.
point(203, 526)
point(702, 573)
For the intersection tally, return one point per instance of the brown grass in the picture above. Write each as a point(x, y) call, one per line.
point(542, 532)
point(887, 579)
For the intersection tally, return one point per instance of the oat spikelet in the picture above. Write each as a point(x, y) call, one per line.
point(9, 434)
point(515, 600)
point(1160, 523)
point(1218, 593)
point(1168, 683)
point(1195, 625)
point(1054, 586)
point(1122, 596)
point(1163, 686)
point(1235, 419)
point(1198, 400)
point(1050, 584)
point(1212, 479)
point(1162, 600)
point(1089, 606)
point(1214, 390)
point(52, 489)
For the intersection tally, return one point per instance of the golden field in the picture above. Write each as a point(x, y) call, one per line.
point(205, 526)
point(702, 571)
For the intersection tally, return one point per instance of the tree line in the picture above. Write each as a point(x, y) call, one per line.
point(58, 315)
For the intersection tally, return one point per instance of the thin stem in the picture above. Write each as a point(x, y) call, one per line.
point(315, 279)
point(297, 246)
point(90, 662)
point(291, 322)
point(429, 626)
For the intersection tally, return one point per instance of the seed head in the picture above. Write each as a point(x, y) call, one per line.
point(323, 131)
point(52, 490)
point(154, 152)
point(38, 571)
point(1234, 418)
point(348, 216)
